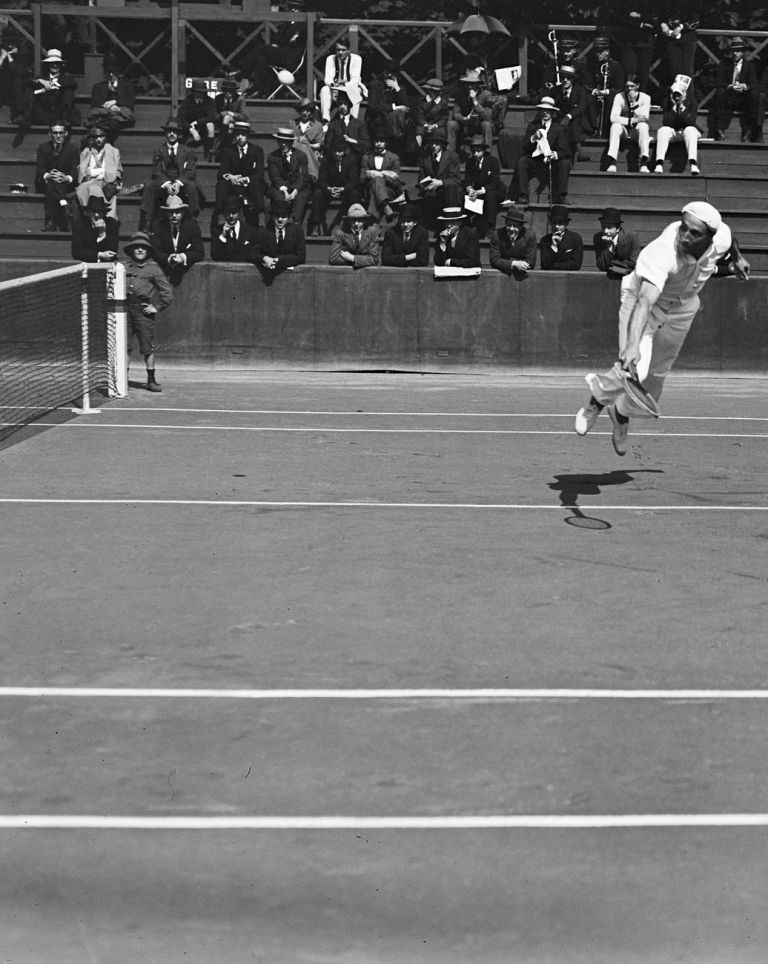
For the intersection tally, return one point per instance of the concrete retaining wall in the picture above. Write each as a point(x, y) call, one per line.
point(223, 316)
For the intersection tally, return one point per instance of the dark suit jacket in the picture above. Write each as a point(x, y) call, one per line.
point(292, 252)
point(686, 118)
point(448, 170)
point(574, 103)
point(85, 247)
point(329, 174)
point(190, 243)
point(356, 128)
point(243, 249)
point(428, 114)
point(124, 94)
point(621, 261)
point(504, 251)
point(394, 249)
point(67, 162)
point(486, 174)
point(293, 175)
point(569, 255)
point(748, 74)
point(252, 165)
point(185, 159)
point(556, 138)
point(465, 252)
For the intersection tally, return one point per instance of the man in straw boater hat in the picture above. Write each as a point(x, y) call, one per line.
point(177, 240)
point(514, 246)
point(51, 96)
point(406, 244)
point(616, 248)
point(147, 292)
point(561, 249)
point(288, 174)
point(456, 245)
point(174, 174)
point(439, 177)
point(241, 173)
point(356, 242)
point(572, 101)
point(659, 301)
point(546, 154)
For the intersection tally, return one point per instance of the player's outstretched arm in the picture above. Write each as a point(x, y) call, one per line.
point(629, 353)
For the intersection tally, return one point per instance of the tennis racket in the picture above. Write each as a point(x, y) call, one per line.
point(637, 391)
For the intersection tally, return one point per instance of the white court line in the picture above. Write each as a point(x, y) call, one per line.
point(487, 693)
point(262, 504)
point(477, 822)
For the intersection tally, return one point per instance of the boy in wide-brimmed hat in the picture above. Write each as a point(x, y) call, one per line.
point(546, 154)
point(456, 245)
point(147, 292)
point(356, 242)
point(514, 246)
point(616, 249)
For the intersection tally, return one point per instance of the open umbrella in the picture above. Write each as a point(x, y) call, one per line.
point(480, 23)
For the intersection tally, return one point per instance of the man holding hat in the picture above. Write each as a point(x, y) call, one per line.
point(51, 96)
point(456, 245)
point(430, 112)
point(659, 301)
point(177, 240)
point(280, 245)
point(546, 154)
point(356, 242)
point(174, 174)
point(513, 246)
point(308, 135)
point(482, 184)
point(112, 100)
point(94, 233)
point(288, 174)
point(736, 91)
point(235, 239)
point(147, 292)
point(406, 244)
point(439, 177)
point(561, 249)
point(338, 181)
point(241, 172)
point(197, 116)
point(616, 249)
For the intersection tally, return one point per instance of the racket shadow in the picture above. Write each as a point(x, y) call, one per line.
point(571, 487)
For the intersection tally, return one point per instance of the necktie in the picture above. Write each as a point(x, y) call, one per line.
point(357, 241)
point(406, 237)
point(176, 239)
point(280, 237)
point(172, 152)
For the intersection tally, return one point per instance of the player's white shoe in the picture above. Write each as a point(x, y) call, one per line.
point(586, 417)
point(620, 430)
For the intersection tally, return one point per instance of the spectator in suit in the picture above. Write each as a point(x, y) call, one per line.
point(56, 175)
point(482, 182)
point(572, 101)
point(356, 242)
point(439, 177)
point(406, 244)
point(235, 240)
point(112, 100)
point(177, 240)
point(241, 172)
point(280, 245)
point(430, 113)
point(174, 174)
point(338, 182)
point(616, 249)
point(197, 116)
point(15, 71)
point(630, 116)
point(561, 249)
point(389, 107)
point(736, 90)
point(545, 154)
point(472, 111)
point(100, 170)
point(639, 33)
point(94, 233)
point(514, 246)
point(342, 75)
point(51, 96)
point(381, 179)
point(677, 29)
point(351, 129)
point(288, 176)
point(605, 79)
point(456, 245)
point(678, 123)
point(229, 105)
point(309, 135)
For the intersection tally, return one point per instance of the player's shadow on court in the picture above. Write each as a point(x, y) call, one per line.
point(571, 487)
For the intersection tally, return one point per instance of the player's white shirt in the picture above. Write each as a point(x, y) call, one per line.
point(678, 276)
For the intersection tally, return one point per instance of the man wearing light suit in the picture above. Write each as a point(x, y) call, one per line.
point(342, 73)
point(174, 173)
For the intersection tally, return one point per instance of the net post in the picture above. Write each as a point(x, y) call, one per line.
point(85, 409)
point(118, 332)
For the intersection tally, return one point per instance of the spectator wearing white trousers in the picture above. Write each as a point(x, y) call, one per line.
point(630, 114)
point(679, 124)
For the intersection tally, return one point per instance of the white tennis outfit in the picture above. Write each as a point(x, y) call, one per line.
point(680, 278)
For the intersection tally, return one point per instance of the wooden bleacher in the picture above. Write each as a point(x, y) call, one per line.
point(733, 178)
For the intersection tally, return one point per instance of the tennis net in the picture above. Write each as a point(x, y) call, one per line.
point(62, 336)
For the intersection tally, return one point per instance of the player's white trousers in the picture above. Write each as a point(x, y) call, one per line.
point(660, 345)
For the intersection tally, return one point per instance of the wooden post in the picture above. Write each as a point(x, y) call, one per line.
point(178, 56)
point(310, 63)
point(37, 31)
point(439, 33)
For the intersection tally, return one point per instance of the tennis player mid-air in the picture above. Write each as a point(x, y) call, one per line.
point(659, 301)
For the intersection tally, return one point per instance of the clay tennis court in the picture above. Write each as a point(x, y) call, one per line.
point(366, 668)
